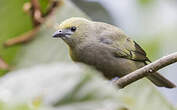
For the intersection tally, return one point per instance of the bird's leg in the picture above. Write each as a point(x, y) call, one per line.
point(113, 80)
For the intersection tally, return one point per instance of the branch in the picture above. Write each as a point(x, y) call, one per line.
point(36, 13)
point(3, 64)
point(147, 70)
point(37, 19)
point(23, 38)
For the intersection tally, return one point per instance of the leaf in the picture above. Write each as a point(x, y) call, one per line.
point(62, 88)
point(13, 22)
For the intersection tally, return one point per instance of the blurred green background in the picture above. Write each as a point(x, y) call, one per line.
point(44, 77)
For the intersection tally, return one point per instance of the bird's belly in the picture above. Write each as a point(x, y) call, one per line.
point(107, 63)
point(117, 67)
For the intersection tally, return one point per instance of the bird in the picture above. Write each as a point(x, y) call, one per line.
point(106, 48)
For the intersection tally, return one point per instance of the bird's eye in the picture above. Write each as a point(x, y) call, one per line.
point(73, 29)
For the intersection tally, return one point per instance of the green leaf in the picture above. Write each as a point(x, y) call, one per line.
point(13, 22)
point(145, 2)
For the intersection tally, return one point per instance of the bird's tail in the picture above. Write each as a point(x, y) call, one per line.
point(160, 81)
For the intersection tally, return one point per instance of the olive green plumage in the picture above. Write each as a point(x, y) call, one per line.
point(106, 48)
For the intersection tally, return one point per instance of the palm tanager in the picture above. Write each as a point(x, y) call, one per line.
point(105, 47)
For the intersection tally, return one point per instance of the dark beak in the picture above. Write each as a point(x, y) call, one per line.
point(61, 33)
point(58, 33)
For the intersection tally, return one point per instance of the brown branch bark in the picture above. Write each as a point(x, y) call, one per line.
point(52, 5)
point(36, 13)
point(147, 70)
point(3, 64)
point(37, 19)
point(23, 38)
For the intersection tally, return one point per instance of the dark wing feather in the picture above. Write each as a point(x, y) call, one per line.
point(129, 49)
point(124, 46)
point(139, 53)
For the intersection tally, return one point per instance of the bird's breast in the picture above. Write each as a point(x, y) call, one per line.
point(73, 55)
point(103, 60)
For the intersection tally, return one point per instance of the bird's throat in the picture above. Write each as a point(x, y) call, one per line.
point(72, 55)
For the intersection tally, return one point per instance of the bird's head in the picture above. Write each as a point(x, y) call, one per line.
point(73, 30)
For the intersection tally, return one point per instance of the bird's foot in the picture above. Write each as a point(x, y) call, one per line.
point(113, 80)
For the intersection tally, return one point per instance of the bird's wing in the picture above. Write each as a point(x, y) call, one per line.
point(129, 49)
point(123, 45)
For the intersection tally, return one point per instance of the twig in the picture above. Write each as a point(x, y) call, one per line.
point(147, 70)
point(36, 13)
point(23, 38)
point(3, 64)
point(27, 8)
point(32, 8)
point(52, 5)
point(37, 19)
